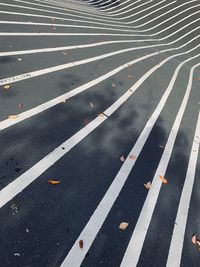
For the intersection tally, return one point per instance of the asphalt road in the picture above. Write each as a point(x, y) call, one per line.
point(98, 99)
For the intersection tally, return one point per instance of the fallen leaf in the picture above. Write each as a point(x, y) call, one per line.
point(101, 115)
point(63, 100)
point(147, 185)
point(163, 179)
point(198, 244)
point(123, 225)
point(91, 105)
point(194, 239)
point(132, 156)
point(12, 116)
point(81, 244)
point(20, 105)
point(53, 182)
point(122, 158)
point(6, 86)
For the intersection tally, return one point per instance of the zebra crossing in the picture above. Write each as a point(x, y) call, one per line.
point(98, 98)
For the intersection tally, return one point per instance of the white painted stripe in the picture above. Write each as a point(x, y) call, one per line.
point(107, 34)
point(121, 9)
point(117, 29)
point(25, 76)
point(175, 251)
point(62, 13)
point(63, 25)
point(148, 13)
point(56, 12)
point(107, 10)
point(34, 111)
point(116, 25)
point(135, 245)
point(20, 183)
point(132, 9)
point(75, 255)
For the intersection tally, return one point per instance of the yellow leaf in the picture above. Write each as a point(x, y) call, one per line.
point(123, 225)
point(53, 182)
point(12, 116)
point(6, 86)
point(163, 179)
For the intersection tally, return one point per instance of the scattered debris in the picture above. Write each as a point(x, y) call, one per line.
point(81, 244)
point(161, 146)
point(132, 157)
point(64, 53)
point(130, 76)
point(113, 85)
point(20, 105)
point(91, 105)
point(19, 59)
point(123, 225)
point(147, 185)
point(194, 239)
point(122, 158)
point(7, 86)
point(101, 114)
point(27, 230)
point(17, 254)
point(12, 116)
point(54, 182)
point(14, 207)
point(163, 179)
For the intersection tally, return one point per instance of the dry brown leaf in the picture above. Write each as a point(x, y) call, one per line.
point(163, 179)
point(123, 225)
point(7, 86)
point(81, 244)
point(194, 239)
point(53, 182)
point(132, 157)
point(122, 158)
point(101, 114)
point(12, 116)
point(147, 185)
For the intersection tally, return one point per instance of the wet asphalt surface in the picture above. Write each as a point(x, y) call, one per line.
point(40, 224)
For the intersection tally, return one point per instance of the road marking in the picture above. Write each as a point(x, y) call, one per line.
point(88, 60)
point(32, 112)
point(20, 183)
point(135, 245)
point(176, 246)
point(75, 255)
